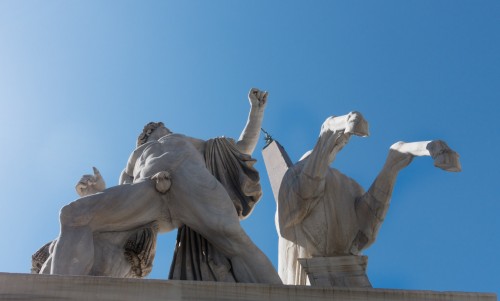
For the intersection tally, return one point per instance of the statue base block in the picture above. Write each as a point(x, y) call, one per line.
point(339, 271)
point(53, 287)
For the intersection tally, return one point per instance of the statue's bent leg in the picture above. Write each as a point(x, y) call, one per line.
point(202, 203)
point(117, 208)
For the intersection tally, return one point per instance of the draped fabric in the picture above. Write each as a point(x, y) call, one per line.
point(235, 172)
point(195, 258)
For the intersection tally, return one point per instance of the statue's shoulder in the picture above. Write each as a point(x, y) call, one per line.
point(176, 137)
point(140, 149)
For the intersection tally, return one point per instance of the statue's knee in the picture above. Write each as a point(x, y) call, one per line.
point(66, 215)
point(71, 216)
point(234, 232)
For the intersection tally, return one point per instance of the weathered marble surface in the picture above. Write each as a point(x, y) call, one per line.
point(26, 287)
point(195, 258)
point(323, 213)
point(128, 254)
point(336, 271)
point(166, 182)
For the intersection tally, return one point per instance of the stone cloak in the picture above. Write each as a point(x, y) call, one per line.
point(194, 257)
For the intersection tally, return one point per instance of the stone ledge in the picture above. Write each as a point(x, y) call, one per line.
point(52, 287)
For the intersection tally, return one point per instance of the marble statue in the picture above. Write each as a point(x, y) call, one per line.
point(326, 216)
point(166, 185)
point(123, 254)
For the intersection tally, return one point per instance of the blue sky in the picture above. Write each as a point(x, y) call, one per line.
point(79, 79)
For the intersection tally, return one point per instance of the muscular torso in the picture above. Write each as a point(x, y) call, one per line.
point(166, 154)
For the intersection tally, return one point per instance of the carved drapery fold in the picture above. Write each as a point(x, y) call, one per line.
point(194, 257)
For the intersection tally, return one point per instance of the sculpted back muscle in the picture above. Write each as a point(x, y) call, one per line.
point(167, 154)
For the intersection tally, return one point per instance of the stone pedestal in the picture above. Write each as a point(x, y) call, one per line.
point(340, 271)
point(27, 287)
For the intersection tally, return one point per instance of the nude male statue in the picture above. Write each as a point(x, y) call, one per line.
point(166, 181)
point(323, 213)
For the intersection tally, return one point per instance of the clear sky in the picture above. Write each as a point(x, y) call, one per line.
point(79, 79)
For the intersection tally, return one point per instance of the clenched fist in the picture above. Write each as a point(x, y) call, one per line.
point(257, 98)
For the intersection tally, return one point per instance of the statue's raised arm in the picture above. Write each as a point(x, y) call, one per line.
point(250, 134)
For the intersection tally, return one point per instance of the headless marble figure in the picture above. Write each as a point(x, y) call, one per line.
point(323, 213)
point(166, 182)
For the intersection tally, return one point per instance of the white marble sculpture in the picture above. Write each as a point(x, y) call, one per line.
point(326, 216)
point(124, 254)
point(166, 183)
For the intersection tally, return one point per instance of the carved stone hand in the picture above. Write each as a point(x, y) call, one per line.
point(90, 184)
point(257, 98)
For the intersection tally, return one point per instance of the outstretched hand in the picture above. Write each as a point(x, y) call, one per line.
point(90, 184)
point(257, 98)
